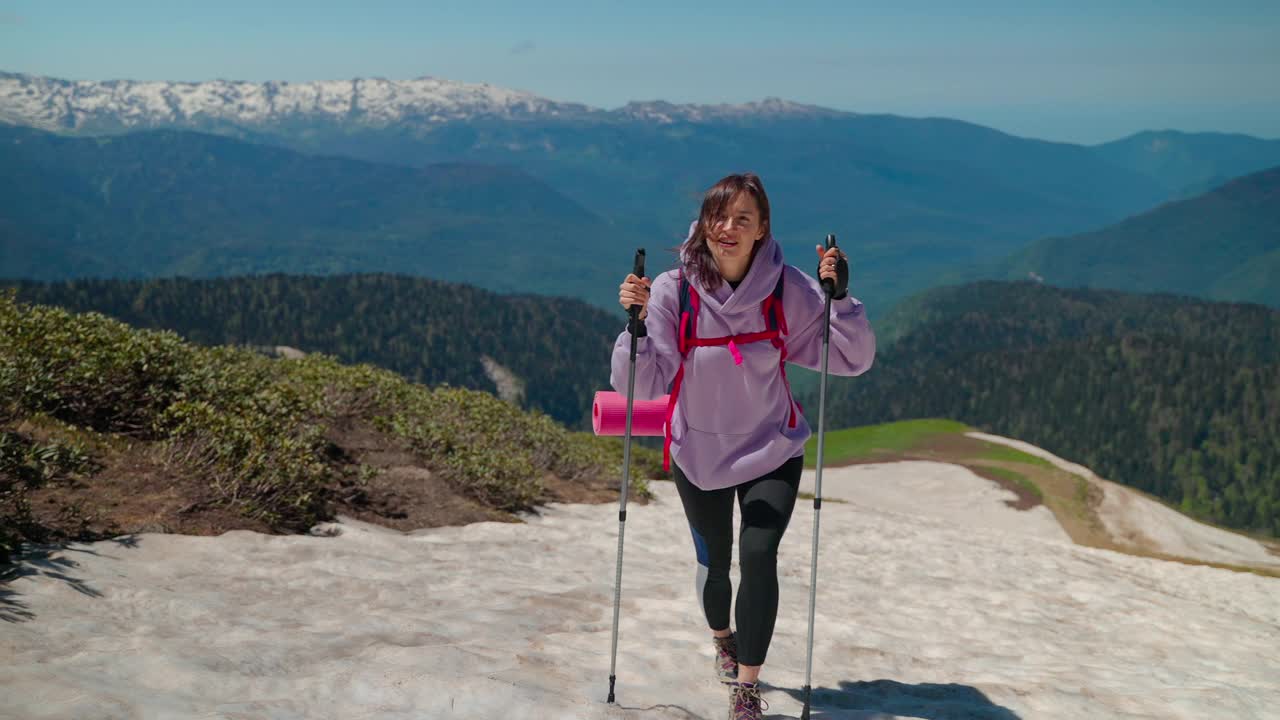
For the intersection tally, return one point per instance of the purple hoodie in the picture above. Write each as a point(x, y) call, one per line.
point(731, 421)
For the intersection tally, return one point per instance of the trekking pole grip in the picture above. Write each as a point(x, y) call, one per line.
point(634, 310)
point(829, 285)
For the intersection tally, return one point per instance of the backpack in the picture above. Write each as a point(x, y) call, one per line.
point(687, 339)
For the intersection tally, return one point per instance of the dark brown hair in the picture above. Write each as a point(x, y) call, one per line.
point(694, 253)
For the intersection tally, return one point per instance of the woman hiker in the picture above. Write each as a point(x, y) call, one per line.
point(718, 330)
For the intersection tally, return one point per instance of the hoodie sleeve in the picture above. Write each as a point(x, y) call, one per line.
point(657, 354)
point(853, 343)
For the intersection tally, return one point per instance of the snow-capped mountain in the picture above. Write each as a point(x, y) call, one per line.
point(664, 112)
point(88, 106)
point(56, 104)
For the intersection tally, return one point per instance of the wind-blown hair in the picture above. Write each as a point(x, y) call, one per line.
point(694, 253)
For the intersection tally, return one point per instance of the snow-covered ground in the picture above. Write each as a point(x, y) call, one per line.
point(1135, 520)
point(934, 600)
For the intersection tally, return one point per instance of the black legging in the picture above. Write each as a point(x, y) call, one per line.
point(765, 504)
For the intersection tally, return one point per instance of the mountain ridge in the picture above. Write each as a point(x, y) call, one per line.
point(1217, 245)
point(178, 202)
point(87, 105)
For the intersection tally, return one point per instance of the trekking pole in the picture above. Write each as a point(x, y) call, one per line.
point(829, 287)
point(632, 326)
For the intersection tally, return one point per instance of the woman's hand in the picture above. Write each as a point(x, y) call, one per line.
point(833, 265)
point(635, 291)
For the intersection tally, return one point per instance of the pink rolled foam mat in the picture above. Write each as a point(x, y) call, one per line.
point(609, 414)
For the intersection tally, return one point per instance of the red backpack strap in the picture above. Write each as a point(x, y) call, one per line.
point(776, 319)
point(686, 331)
point(686, 336)
point(671, 411)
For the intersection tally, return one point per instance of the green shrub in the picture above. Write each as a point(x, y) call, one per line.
point(87, 370)
point(256, 428)
point(496, 453)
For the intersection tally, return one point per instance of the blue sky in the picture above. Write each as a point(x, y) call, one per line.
point(1072, 71)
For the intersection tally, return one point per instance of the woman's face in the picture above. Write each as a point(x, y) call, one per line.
point(732, 235)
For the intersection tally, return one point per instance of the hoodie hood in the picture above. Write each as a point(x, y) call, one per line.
point(761, 278)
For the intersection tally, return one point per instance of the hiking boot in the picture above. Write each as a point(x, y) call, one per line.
point(726, 658)
point(745, 703)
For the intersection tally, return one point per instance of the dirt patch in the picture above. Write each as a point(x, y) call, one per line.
point(1075, 506)
point(133, 492)
point(396, 489)
point(875, 457)
point(379, 479)
point(952, 447)
point(1024, 500)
